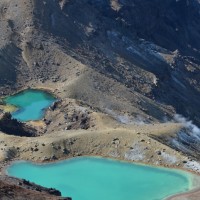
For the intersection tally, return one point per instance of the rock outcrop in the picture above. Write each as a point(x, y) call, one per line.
point(12, 188)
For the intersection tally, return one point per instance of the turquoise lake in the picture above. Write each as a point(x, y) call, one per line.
point(31, 104)
point(91, 178)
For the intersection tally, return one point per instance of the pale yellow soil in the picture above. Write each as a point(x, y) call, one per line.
point(8, 108)
point(108, 139)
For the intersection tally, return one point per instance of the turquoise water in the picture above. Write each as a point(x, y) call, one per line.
point(91, 178)
point(31, 104)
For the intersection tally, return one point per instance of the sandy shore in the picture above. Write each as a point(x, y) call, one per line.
point(191, 195)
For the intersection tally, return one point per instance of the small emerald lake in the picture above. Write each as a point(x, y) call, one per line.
point(31, 104)
point(89, 178)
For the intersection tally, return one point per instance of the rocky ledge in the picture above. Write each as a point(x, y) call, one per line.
point(13, 188)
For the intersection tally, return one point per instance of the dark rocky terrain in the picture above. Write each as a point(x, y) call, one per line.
point(151, 47)
point(14, 127)
point(134, 60)
point(12, 188)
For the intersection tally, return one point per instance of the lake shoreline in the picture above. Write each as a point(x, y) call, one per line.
point(185, 195)
point(100, 156)
point(194, 176)
point(22, 101)
point(179, 170)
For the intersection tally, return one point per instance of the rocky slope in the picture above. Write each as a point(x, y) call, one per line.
point(12, 188)
point(150, 47)
point(134, 61)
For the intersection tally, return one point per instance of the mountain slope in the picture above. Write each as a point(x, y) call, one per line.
point(110, 63)
point(153, 54)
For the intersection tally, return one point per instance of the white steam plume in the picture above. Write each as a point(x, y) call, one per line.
point(187, 124)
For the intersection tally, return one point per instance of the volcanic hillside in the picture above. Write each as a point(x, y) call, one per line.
point(137, 57)
point(120, 69)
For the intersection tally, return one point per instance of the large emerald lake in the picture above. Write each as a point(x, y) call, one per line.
point(91, 178)
point(31, 104)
